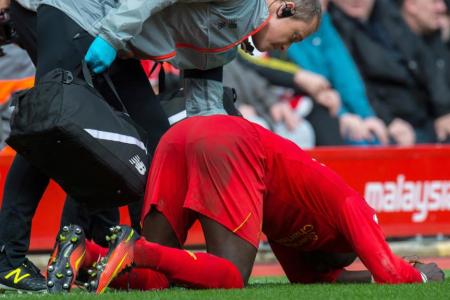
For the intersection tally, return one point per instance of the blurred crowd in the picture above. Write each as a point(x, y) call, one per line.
point(376, 72)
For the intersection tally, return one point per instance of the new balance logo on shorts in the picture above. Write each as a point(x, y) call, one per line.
point(138, 164)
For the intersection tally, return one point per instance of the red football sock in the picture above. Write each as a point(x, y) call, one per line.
point(140, 279)
point(197, 270)
point(93, 252)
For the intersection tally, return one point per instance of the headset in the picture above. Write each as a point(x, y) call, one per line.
point(285, 11)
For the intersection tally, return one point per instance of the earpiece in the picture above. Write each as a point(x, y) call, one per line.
point(286, 11)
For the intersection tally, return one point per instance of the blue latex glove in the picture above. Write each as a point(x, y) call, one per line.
point(100, 55)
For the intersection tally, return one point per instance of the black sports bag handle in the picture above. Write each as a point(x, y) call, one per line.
point(88, 77)
point(86, 73)
point(111, 86)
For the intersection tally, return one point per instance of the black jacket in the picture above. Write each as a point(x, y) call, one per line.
point(398, 70)
point(441, 54)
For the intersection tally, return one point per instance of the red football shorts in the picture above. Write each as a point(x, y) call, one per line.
point(213, 168)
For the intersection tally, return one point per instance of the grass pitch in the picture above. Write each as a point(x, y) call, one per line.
point(272, 288)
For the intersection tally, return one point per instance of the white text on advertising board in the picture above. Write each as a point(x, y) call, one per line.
point(418, 197)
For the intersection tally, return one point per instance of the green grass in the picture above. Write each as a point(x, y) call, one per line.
point(274, 288)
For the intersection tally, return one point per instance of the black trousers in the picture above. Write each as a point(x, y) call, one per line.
point(61, 43)
point(25, 25)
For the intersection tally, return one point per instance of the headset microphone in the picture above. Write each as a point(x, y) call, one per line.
point(286, 11)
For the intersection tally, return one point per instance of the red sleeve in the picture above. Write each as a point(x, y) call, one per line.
point(359, 224)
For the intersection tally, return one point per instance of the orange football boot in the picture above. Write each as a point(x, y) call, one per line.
point(119, 258)
point(66, 259)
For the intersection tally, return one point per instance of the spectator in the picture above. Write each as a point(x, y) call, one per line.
point(423, 18)
point(402, 83)
point(260, 102)
point(325, 106)
point(428, 20)
point(325, 54)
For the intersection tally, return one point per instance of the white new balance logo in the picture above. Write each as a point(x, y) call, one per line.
point(138, 164)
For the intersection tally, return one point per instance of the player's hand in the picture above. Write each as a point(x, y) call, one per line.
point(100, 55)
point(311, 83)
point(431, 271)
point(412, 259)
point(402, 132)
point(378, 129)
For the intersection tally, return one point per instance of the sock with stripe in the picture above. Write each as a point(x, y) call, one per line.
point(195, 270)
point(93, 252)
point(140, 279)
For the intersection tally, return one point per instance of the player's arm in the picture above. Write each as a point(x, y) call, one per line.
point(358, 223)
point(432, 272)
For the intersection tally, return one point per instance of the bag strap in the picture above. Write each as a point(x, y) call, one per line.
point(87, 75)
point(111, 86)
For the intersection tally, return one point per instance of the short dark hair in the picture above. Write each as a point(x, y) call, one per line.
point(307, 10)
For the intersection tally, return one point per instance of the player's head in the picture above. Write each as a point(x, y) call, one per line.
point(291, 21)
point(327, 261)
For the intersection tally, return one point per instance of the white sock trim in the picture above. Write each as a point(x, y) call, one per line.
point(424, 277)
